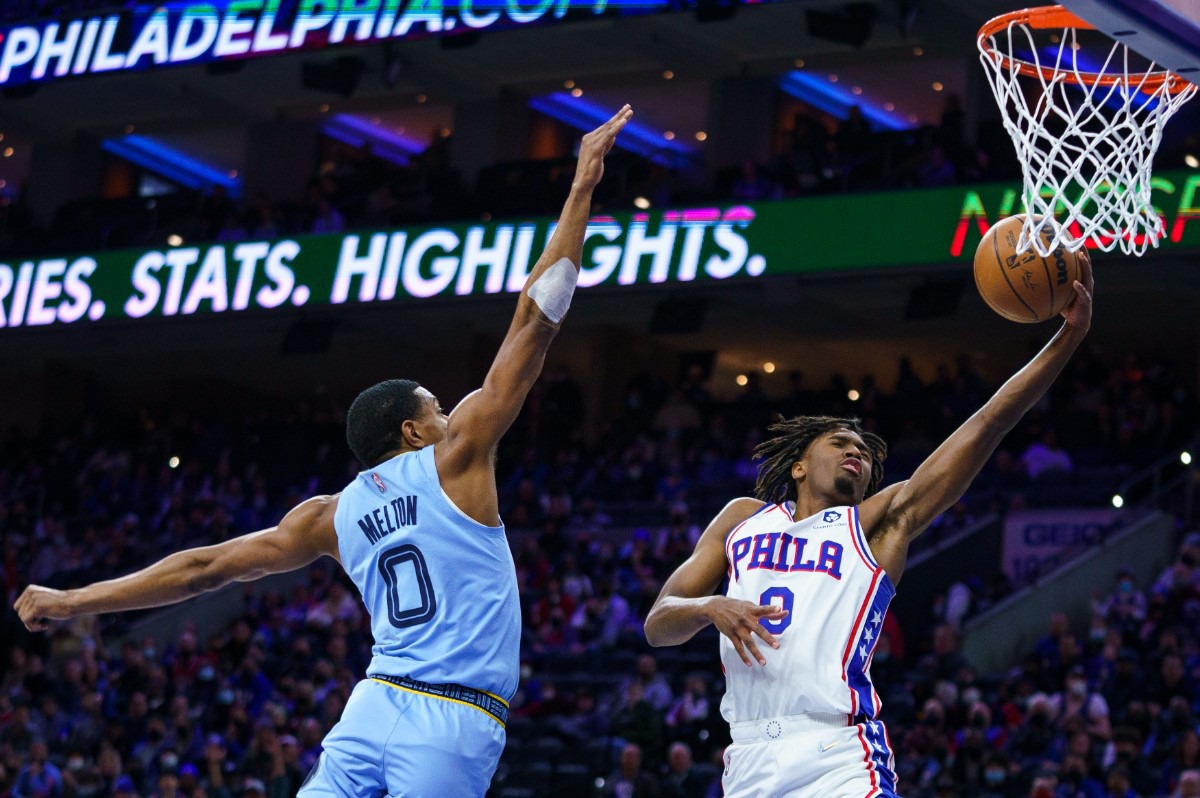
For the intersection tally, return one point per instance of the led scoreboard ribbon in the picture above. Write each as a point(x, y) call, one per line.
point(666, 248)
point(162, 34)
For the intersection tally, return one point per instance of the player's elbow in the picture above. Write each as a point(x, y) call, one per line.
point(533, 321)
point(206, 574)
point(655, 630)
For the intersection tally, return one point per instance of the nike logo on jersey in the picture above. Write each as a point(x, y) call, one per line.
point(387, 518)
point(823, 747)
point(779, 551)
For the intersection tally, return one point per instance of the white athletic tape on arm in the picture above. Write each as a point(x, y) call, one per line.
point(552, 291)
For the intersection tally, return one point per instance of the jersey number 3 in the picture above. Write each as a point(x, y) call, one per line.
point(401, 566)
point(786, 599)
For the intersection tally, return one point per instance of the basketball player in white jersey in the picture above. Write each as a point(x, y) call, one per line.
point(812, 563)
point(419, 533)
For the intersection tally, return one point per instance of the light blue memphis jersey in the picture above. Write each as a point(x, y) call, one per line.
point(441, 588)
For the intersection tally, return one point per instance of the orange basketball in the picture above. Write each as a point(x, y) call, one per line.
point(1024, 286)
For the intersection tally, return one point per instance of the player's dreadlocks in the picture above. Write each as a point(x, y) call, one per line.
point(794, 436)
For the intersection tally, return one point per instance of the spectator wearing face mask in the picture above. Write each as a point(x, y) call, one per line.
point(998, 779)
point(168, 762)
point(1077, 700)
point(1125, 607)
point(81, 779)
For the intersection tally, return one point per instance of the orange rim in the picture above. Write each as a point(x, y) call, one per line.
point(1049, 17)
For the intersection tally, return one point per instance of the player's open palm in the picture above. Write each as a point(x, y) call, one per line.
point(741, 622)
point(1078, 312)
point(37, 605)
point(596, 145)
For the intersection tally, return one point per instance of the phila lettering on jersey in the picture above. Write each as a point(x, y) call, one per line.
point(821, 570)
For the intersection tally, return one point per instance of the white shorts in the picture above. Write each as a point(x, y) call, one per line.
point(798, 758)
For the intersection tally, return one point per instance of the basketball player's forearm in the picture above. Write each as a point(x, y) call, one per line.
point(552, 282)
point(945, 476)
point(173, 579)
point(546, 297)
point(567, 241)
point(674, 620)
point(1023, 390)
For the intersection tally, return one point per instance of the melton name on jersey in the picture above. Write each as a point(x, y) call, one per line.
point(821, 571)
point(441, 587)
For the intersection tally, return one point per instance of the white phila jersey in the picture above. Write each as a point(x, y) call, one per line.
point(821, 570)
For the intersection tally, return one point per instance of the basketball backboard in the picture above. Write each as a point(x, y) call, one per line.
point(1167, 31)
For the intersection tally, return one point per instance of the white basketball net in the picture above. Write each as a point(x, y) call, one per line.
point(1085, 148)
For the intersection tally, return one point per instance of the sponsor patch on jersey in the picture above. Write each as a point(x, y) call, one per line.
point(831, 516)
point(383, 488)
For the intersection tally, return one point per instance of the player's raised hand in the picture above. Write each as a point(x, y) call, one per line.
point(595, 146)
point(741, 621)
point(1078, 312)
point(39, 605)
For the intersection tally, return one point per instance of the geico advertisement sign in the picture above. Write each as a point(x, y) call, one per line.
point(484, 259)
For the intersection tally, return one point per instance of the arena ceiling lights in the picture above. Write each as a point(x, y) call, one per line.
point(175, 165)
point(820, 93)
point(636, 137)
point(380, 140)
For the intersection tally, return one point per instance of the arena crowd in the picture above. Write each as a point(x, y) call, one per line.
point(1106, 710)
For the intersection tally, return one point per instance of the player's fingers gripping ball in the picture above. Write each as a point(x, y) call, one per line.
point(1024, 286)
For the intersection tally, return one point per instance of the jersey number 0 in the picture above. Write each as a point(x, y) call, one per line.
point(398, 565)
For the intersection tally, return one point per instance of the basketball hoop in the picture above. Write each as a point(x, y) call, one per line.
point(1085, 133)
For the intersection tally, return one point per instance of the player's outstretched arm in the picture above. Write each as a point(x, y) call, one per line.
point(895, 516)
point(301, 537)
point(482, 418)
point(687, 604)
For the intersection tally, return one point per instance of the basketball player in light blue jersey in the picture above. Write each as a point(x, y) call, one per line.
point(420, 534)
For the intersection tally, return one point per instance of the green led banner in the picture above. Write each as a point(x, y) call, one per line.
point(860, 232)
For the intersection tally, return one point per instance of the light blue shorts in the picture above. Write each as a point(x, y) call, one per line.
point(401, 743)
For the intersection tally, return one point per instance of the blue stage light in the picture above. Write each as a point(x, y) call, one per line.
point(837, 101)
point(175, 165)
point(637, 137)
